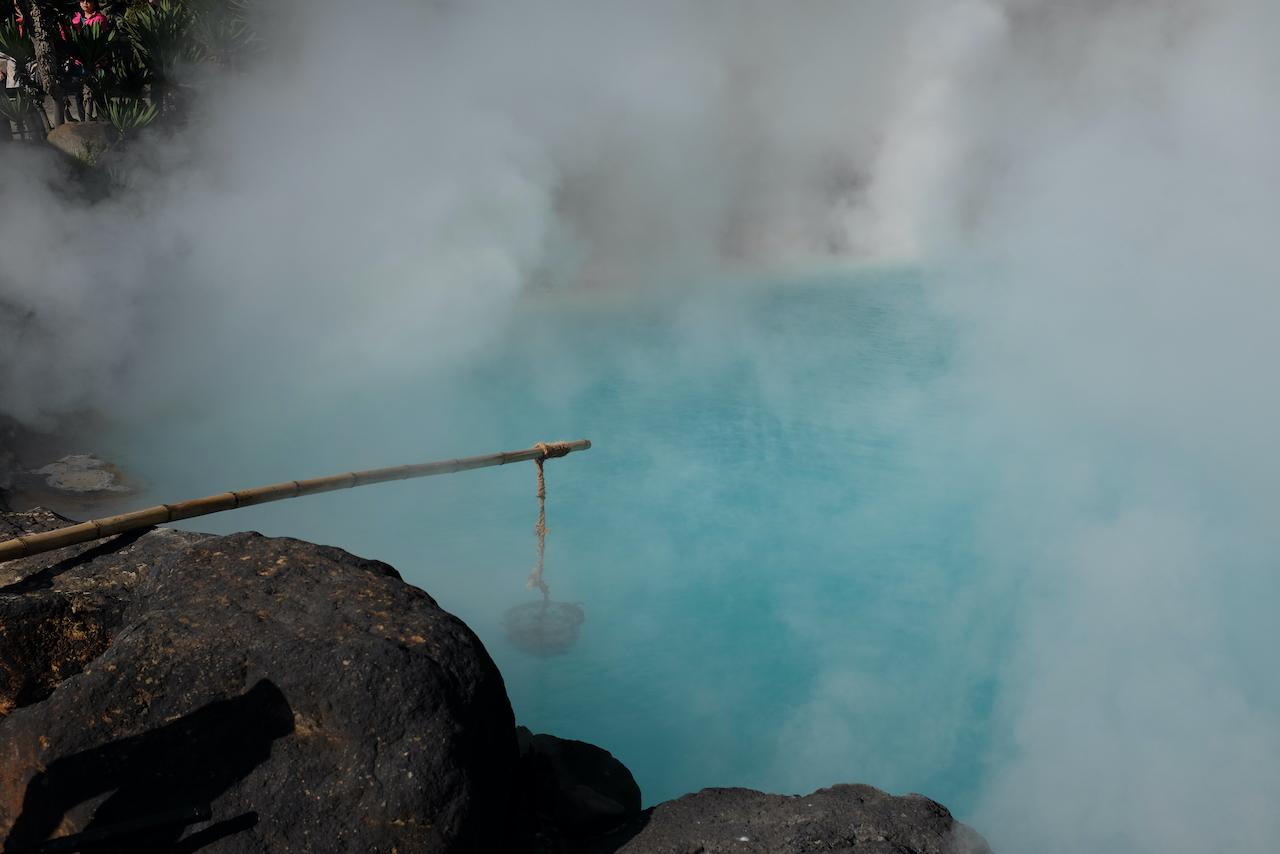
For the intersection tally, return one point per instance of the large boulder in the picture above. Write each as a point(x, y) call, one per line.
point(852, 819)
point(85, 141)
point(311, 699)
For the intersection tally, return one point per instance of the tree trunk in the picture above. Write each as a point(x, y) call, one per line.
point(42, 22)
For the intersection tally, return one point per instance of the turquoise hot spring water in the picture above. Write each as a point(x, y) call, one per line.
point(781, 539)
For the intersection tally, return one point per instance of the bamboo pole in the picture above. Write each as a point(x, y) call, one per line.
point(96, 529)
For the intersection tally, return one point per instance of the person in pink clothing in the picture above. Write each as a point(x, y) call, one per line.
point(89, 15)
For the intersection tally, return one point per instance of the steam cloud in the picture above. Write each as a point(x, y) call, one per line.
point(1093, 182)
point(410, 168)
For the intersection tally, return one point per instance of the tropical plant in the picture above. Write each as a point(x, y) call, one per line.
point(93, 47)
point(161, 35)
point(129, 114)
point(18, 108)
point(93, 50)
point(139, 59)
point(25, 112)
point(14, 44)
point(221, 29)
point(128, 75)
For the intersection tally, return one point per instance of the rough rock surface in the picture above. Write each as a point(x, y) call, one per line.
point(86, 141)
point(572, 789)
point(59, 610)
point(313, 699)
point(848, 818)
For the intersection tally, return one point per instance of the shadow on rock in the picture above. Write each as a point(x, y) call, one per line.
point(43, 580)
point(189, 761)
point(572, 793)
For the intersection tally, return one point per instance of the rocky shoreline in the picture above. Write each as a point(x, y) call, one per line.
point(176, 691)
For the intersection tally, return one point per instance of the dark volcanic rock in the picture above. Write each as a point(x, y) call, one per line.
point(59, 610)
point(850, 818)
point(316, 701)
point(574, 789)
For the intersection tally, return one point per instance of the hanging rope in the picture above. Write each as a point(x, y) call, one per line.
point(544, 627)
point(549, 451)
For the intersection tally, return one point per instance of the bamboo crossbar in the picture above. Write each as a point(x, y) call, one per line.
point(96, 529)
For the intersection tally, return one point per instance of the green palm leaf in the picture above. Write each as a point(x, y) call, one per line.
point(94, 47)
point(15, 45)
point(129, 114)
point(18, 108)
